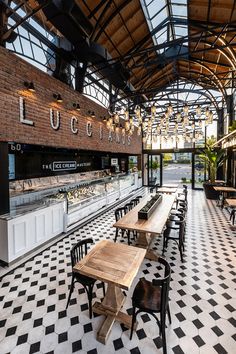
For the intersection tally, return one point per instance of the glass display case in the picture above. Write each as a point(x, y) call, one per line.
point(127, 181)
point(92, 195)
point(85, 193)
point(112, 185)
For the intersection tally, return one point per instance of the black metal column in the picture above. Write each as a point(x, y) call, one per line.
point(4, 180)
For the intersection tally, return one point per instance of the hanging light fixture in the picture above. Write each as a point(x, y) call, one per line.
point(139, 130)
point(127, 125)
point(170, 109)
point(178, 117)
point(116, 118)
point(153, 110)
point(210, 117)
point(185, 109)
point(198, 111)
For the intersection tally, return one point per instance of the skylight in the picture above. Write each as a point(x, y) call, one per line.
point(167, 19)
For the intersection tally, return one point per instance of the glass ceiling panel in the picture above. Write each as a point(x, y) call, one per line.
point(159, 17)
point(179, 11)
point(160, 10)
point(155, 6)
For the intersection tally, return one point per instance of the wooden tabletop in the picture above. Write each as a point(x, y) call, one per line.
point(166, 190)
point(155, 223)
point(231, 202)
point(113, 263)
point(224, 189)
point(170, 185)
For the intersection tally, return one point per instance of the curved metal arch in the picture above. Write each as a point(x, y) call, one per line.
point(199, 92)
point(199, 74)
point(215, 103)
point(189, 71)
point(104, 105)
point(117, 10)
point(100, 17)
point(214, 33)
point(221, 87)
point(222, 51)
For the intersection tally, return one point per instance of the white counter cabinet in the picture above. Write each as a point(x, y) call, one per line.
point(21, 234)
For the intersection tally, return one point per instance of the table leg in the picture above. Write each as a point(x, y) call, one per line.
point(110, 307)
point(144, 241)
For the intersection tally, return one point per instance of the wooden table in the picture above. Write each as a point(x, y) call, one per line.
point(224, 189)
point(147, 229)
point(170, 185)
point(166, 190)
point(116, 264)
point(231, 202)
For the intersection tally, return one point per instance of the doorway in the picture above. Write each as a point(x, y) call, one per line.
point(199, 174)
point(154, 170)
point(177, 168)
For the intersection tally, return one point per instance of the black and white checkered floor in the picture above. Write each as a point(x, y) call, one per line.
point(33, 297)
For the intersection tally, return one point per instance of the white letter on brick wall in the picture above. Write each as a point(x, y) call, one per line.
point(72, 125)
point(54, 125)
point(101, 132)
point(89, 129)
point(22, 113)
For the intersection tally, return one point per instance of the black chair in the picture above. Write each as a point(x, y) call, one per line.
point(232, 215)
point(139, 197)
point(129, 206)
point(177, 224)
point(119, 213)
point(153, 297)
point(182, 196)
point(77, 253)
point(134, 201)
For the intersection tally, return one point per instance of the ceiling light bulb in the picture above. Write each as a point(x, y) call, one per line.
point(170, 109)
point(178, 116)
point(198, 110)
point(185, 109)
point(116, 118)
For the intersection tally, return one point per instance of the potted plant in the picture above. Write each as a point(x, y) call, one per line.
point(213, 158)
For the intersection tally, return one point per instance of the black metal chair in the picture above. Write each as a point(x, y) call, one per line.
point(134, 201)
point(232, 215)
point(77, 253)
point(182, 196)
point(129, 206)
point(119, 213)
point(177, 224)
point(152, 298)
point(139, 197)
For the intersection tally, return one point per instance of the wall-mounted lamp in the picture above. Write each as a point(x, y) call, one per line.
point(29, 85)
point(76, 106)
point(92, 114)
point(58, 97)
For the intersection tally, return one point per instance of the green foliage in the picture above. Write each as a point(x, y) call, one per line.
point(214, 158)
point(167, 157)
point(232, 127)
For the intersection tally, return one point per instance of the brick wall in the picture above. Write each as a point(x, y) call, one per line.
point(13, 72)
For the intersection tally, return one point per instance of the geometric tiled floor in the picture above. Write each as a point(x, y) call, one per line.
point(203, 295)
